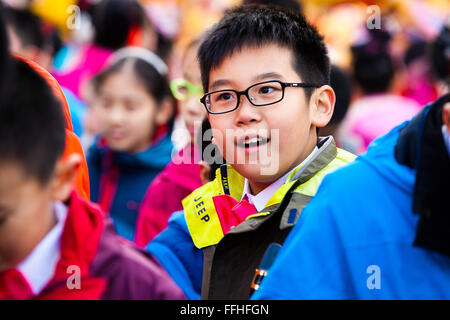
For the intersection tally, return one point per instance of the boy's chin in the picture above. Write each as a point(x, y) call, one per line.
point(258, 172)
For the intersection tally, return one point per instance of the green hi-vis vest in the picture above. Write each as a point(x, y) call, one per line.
point(230, 260)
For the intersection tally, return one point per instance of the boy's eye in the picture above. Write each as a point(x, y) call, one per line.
point(224, 96)
point(266, 90)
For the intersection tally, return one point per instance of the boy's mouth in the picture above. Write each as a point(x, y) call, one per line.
point(253, 141)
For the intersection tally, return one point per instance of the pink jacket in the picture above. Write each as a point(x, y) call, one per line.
point(164, 195)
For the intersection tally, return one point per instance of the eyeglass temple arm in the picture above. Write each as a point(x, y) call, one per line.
point(304, 85)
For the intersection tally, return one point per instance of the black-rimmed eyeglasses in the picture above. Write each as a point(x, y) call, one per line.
point(259, 94)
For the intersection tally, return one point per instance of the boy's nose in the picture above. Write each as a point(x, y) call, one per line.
point(246, 112)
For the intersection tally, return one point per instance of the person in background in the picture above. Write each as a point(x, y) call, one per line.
point(173, 247)
point(375, 111)
point(187, 89)
point(341, 83)
point(54, 244)
point(419, 81)
point(116, 24)
point(389, 236)
point(439, 54)
point(29, 39)
point(182, 174)
point(134, 113)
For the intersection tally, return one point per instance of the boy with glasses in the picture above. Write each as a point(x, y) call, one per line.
point(265, 72)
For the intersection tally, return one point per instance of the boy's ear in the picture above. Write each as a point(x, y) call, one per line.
point(64, 176)
point(322, 105)
point(165, 111)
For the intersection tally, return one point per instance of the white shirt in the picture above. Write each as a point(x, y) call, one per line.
point(261, 199)
point(39, 267)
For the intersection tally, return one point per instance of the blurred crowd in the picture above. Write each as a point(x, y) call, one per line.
point(381, 52)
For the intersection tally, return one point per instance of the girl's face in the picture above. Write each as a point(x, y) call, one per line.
point(127, 113)
point(191, 109)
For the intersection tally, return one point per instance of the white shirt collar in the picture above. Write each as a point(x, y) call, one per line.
point(261, 199)
point(39, 267)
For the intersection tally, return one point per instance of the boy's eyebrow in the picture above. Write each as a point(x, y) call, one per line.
point(268, 76)
point(260, 77)
point(219, 83)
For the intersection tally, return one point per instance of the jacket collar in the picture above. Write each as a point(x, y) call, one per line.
point(81, 235)
point(421, 147)
point(156, 156)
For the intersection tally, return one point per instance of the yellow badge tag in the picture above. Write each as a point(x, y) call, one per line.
point(201, 217)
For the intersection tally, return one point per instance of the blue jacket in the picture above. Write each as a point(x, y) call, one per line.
point(178, 255)
point(118, 181)
point(355, 239)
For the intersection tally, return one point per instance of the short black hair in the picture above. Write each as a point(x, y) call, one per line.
point(258, 25)
point(293, 5)
point(32, 126)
